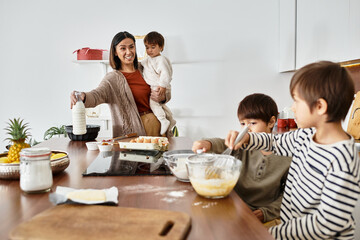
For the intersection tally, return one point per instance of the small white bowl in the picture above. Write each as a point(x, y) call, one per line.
point(105, 148)
point(92, 146)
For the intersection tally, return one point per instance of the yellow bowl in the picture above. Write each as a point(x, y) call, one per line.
point(213, 175)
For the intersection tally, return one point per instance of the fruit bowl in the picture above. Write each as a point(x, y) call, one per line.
point(12, 170)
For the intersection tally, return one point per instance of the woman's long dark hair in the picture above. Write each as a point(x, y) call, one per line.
point(115, 62)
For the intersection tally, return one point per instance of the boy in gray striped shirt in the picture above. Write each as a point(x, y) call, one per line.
point(322, 187)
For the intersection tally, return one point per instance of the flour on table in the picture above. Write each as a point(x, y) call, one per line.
point(147, 188)
point(205, 204)
point(170, 194)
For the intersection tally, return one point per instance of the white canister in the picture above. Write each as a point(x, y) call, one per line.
point(35, 170)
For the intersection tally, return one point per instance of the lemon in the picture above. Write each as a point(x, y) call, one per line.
point(57, 156)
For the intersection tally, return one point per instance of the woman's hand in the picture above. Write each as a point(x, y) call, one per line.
point(162, 90)
point(231, 137)
point(73, 98)
point(201, 145)
point(157, 95)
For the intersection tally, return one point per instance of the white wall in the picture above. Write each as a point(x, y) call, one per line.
point(221, 52)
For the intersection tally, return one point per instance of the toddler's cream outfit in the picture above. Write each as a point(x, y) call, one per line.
point(158, 72)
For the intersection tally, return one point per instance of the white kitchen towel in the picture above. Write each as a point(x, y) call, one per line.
point(107, 196)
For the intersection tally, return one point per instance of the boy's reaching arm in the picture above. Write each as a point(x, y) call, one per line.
point(282, 144)
point(216, 145)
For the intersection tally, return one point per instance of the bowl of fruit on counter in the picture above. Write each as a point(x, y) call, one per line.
point(59, 161)
point(10, 161)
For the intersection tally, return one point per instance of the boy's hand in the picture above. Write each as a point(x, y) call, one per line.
point(201, 145)
point(259, 214)
point(231, 137)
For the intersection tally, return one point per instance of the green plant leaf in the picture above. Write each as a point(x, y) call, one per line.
point(55, 131)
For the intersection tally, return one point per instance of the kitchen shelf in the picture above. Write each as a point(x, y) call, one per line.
point(351, 63)
point(91, 61)
point(104, 63)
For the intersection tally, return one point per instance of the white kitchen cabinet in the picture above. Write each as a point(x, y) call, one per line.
point(314, 30)
point(287, 35)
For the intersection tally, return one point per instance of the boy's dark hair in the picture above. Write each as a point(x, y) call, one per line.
point(257, 106)
point(154, 38)
point(326, 80)
point(114, 60)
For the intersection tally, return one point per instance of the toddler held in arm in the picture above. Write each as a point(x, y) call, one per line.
point(323, 181)
point(263, 174)
point(158, 74)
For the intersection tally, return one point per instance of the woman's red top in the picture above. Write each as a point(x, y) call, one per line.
point(140, 90)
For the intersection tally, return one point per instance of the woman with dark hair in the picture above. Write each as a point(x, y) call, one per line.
point(126, 92)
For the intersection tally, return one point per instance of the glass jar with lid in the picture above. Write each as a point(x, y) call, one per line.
point(35, 170)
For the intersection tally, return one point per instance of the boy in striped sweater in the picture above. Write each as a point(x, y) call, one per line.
point(322, 187)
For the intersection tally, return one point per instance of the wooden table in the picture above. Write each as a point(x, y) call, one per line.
point(227, 218)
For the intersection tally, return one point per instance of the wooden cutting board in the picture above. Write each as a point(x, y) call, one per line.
point(103, 222)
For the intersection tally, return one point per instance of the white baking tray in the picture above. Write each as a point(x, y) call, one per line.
point(141, 156)
point(161, 146)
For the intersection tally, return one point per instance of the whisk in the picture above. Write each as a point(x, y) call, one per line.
point(237, 140)
point(214, 171)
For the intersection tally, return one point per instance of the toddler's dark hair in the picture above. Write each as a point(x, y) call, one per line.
point(257, 106)
point(326, 80)
point(154, 38)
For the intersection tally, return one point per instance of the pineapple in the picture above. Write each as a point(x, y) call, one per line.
point(19, 133)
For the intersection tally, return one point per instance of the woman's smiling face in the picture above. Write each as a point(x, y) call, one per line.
point(126, 51)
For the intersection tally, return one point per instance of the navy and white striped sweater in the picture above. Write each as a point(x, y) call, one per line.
point(322, 186)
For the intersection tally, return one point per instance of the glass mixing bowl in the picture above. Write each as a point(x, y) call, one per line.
point(213, 175)
point(175, 160)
